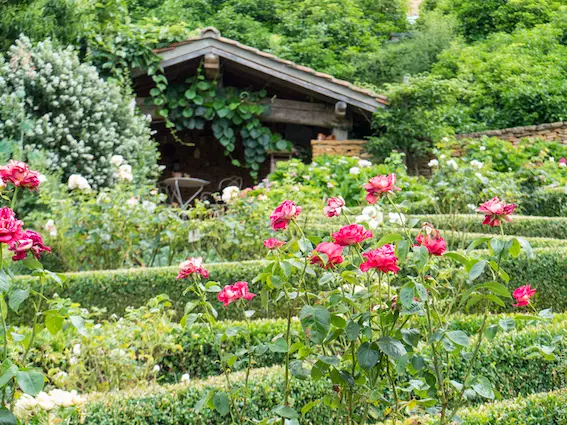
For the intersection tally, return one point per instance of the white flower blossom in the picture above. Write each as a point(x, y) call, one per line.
point(156, 368)
point(73, 361)
point(433, 163)
point(230, 193)
point(125, 172)
point(364, 163)
point(477, 164)
point(149, 206)
point(482, 148)
point(44, 401)
point(262, 197)
point(76, 181)
point(117, 160)
point(471, 207)
point(42, 178)
point(185, 378)
point(50, 228)
point(354, 171)
point(132, 202)
point(397, 218)
point(77, 349)
point(371, 215)
point(551, 159)
point(452, 163)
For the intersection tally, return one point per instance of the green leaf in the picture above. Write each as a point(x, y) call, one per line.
point(526, 247)
point(421, 291)
point(507, 324)
point(190, 94)
point(286, 412)
point(491, 331)
point(54, 322)
point(30, 381)
point(392, 347)
point(407, 293)
point(477, 242)
point(307, 407)
point(9, 371)
point(386, 239)
point(483, 387)
point(297, 370)
point(207, 397)
point(316, 321)
point(368, 355)
point(7, 417)
point(352, 331)
point(477, 270)
point(464, 260)
point(4, 282)
point(221, 403)
point(79, 324)
point(458, 337)
point(32, 264)
point(17, 298)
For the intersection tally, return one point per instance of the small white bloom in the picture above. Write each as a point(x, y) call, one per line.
point(295, 188)
point(76, 181)
point(364, 163)
point(42, 178)
point(452, 163)
point(133, 201)
point(156, 368)
point(471, 207)
point(433, 163)
point(149, 206)
point(262, 197)
point(551, 159)
point(73, 361)
point(117, 160)
point(443, 156)
point(396, 218)
point(445, 139)
point(306, 177)
point(125, 172)
point(330, 185)
point(482, 148)
point(77, 349)
point(185, 378)
point(50, 228)
point(44, 401)
point(476, 164)
point(230, 193)
point(371, 215)
point(354, 171)
point(25, 402)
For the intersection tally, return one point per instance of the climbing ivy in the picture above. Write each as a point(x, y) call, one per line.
point(230, 111)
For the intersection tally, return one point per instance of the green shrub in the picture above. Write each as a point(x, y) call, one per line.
point(546, 202)
point(174, 405)
point(526, 226)
point(117, 289)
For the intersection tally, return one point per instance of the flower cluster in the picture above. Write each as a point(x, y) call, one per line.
point(27, 406)
point(192, 266)
point(231, 293)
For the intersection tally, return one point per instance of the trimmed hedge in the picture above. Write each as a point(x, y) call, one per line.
point(174, 404)
point(521, 225)
point(117, 289)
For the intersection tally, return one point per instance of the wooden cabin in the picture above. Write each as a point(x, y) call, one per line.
point(304, 105)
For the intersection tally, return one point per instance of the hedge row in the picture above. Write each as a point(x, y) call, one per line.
point(527, 226)
point(174, 404)
point(502, 361)
point(115, 290)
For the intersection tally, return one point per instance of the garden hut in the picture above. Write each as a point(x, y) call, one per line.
point(314, 111)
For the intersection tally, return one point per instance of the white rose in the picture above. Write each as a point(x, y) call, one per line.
point(156, 368)
point(76, 181)
point(26, 402)
point(117, 160)
point(433, 163)
point(371, 215)
point(185, 378)
point(125, 172)
point(354, 171)
point(133, 201)
point(364, 163)
point(476, 164)
point(77, 349)
point(44, 401)
point(149, 206)
point(42, 178)
point(453, 163)
point(396, 218)
point(482, 148)
point(229, 193)
point(50, 228)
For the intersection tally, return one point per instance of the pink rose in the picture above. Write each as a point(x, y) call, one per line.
point(283, 214)
point(19, 174)
point(231, 293)
point(333, 252)
point(10, 227)
point(562, 162)
point(334, 207)
point(383, 259)
point(496, 210)
point(380, 185)
point(432, 240)
point(523, 295)
point(351, 234)
point(28, 241)
point(273, 243)
point(191, 266)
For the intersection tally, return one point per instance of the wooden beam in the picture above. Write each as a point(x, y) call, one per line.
point(304, 113)
point(212, 66)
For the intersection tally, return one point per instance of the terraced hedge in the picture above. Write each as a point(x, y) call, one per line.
point(117, 289)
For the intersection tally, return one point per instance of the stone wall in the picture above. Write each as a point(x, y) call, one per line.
point(339, 147)
point(556, 132)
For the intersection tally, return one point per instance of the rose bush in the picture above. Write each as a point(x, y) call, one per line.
point(360, 331)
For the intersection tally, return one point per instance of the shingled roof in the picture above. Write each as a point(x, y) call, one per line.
point(211, 41)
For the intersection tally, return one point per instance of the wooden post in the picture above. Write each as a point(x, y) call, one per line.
point(212, 66)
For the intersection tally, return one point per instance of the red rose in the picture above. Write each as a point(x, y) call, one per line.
point(383, 259)
point(432, 240)
point(19, 174)
point(10, 227)
point(283, 214)
point(380, 185)
point(28, 241)
point(191, 266)
point(231, 293)
point(351, 234)
point(496, 210)
point(333, 252)
point(523, 295)
point(273, 243)
point(334, 206)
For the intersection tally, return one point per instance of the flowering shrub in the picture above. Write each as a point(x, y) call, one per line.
point(20, 382)
point(65, 108)
point(358, 332)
